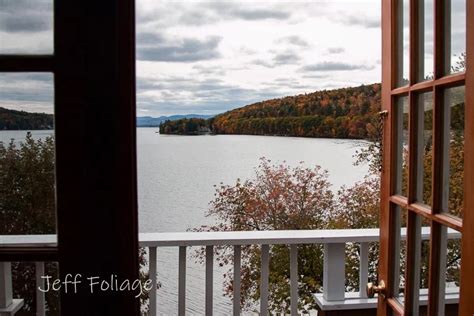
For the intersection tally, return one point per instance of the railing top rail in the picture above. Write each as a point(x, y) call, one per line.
point(28, 240)
point(259, 237)
point(323, 236)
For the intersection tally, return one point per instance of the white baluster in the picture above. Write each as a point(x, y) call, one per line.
point(8, 305)
point(209, 279)
point(363, 268)
point(294, 279)
point(236, 285)
point(182, 281)
point(152, 258)
point(6, 293)
point(40, 298)
point(264, 280)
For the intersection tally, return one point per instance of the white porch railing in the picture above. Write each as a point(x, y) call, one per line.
point(334, 241)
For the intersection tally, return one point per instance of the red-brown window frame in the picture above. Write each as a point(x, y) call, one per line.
point(389, 93)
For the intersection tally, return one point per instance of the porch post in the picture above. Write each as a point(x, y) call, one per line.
point(334, 272)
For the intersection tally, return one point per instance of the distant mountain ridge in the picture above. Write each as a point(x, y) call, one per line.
point(21, 120)
point(148, 121)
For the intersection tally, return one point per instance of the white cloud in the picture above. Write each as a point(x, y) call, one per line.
point(208, 57)
point(301, 42)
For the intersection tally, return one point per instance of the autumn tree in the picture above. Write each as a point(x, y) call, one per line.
point(279, 198)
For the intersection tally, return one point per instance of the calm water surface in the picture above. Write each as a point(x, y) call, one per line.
point(176, 175)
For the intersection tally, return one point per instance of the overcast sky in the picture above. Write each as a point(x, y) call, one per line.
point(209, 57)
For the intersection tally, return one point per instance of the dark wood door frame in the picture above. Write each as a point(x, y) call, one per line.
point(95, 95)
point(97, 219)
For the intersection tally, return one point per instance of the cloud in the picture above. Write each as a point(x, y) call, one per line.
point(316, 76)
point(281, 58)
point(168, 14)
point(262, 62)
point(286, 58)
point(358, 20)
point(185, 84)
point(209, 70)
point(247, 51)
point(335, 66)
point(27, 91)
point(293, 40)
point(181, 95)
point(336, 50)
point(26, 16)
point(184, 67)
point(286, 84)
point(151, 47)
point(244, 12)
point(147, 38)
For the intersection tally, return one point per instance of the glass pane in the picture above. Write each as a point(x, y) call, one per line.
point(453, 269)
point(401, 111)
point(426, 37)
point(403, 40)
point(418, 264)
point(26, 26)
point(32, 283)
point(455, 35)
point(450, 268)
point(453, 153)
point(27, 188)
point(425, 147)
point(424, 267)
point(400, 251)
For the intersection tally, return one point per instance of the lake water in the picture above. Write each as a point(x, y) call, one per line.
point(176, 175)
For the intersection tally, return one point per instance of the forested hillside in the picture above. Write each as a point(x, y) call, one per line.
point(340, 113)
point(21, 120)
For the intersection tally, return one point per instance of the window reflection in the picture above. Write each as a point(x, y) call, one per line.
point(425, 147)
point(455, 36)
point(426, 37)
point(402, 146)
point(453, 151)
point(403, 33)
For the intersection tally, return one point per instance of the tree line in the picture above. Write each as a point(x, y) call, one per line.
point(21, 120)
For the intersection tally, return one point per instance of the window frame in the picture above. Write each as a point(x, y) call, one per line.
point(439, 220)
point(96, 179)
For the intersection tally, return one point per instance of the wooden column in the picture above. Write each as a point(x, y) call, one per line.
point(94, 66)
